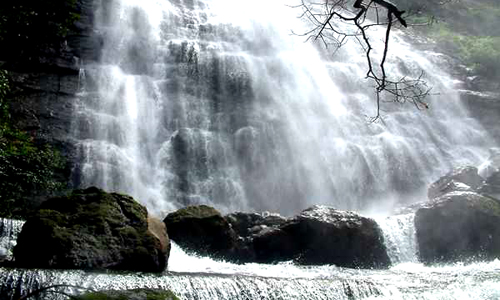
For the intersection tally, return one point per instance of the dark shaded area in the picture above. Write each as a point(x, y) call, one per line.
point(43, 46)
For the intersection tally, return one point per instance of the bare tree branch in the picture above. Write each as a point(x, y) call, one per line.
point(323, 17)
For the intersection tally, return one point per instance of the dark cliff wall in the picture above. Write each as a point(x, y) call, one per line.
point(44, 88)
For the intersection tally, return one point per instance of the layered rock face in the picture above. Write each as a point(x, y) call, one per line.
point(92, 229)
point(319, 235)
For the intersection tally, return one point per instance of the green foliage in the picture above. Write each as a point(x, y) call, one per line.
point(24, 166)
point(480, 53)
point(27, 26)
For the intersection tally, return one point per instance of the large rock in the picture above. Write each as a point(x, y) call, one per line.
point(459, 179)
point(458, 226)
point(92, 229)
point(323, 235)
point(201, 229)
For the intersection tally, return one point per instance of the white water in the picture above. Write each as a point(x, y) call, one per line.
point(400, 237)
point(216, 102)
point(202, 278)
point(9, 230)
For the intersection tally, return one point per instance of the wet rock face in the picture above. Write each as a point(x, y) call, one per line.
point(323, 235)
point(459, 179)
point(458, 226)
point(92, 229)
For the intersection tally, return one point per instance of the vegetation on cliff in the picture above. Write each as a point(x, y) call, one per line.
point(25, 167)
point(468, 30)
point(29, 29)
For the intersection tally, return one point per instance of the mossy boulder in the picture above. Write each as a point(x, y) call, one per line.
point(202, 229)
point(458, 226)
point(136, 294)
point(92, 229)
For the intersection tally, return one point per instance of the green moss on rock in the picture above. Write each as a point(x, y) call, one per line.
point(91, 229)
point(195, 211)
point(136, 294)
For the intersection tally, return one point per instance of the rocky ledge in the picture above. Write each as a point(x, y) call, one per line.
point(319, 235)
point(92, 229)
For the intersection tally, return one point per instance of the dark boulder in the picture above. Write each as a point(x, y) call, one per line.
point(136, 294)
point(458, 226)
point(459, 179)
point(201, 229)
point(92, 229)
point(323, 235)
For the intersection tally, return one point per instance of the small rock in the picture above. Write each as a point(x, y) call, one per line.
point(459, 179)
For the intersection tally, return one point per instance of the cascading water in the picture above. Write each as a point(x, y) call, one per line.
point(216, 102)
point(9, 230)
point(400, 237)
point(208, 280)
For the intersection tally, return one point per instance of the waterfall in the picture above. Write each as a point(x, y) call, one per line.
point(9, 230)
point(400, 237)
point(216, 102)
